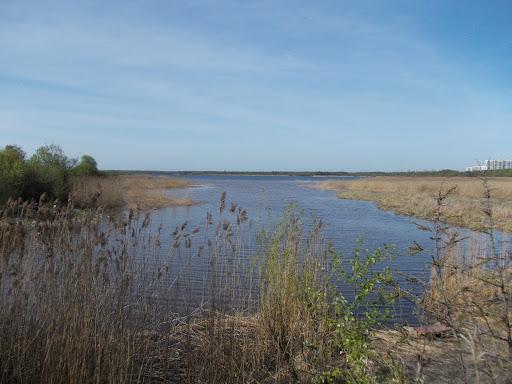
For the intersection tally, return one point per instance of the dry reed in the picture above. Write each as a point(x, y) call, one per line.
point(416, 196)
point(134, 191)
point(95, 299)
point(467, 297)
point(470, 294)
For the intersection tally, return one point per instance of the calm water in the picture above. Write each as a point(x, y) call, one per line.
point(265, 197)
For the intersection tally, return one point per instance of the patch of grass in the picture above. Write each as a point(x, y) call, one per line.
point(133, 191)
point(416, 196)
point(470, 288)
point(470, 295)
point(97, 192)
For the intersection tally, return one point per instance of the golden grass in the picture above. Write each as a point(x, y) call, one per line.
point(467, 278)
point(446, 360)
point(134, 191)
point(470, 291)
point(416, 196)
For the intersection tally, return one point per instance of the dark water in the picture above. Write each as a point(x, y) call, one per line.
point(346, 223)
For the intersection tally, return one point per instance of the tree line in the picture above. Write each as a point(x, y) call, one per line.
point(48, 171)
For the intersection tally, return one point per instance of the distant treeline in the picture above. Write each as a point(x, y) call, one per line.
point(433, 173)
point(48, 171)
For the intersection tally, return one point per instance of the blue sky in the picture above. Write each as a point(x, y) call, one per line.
point(263, 85)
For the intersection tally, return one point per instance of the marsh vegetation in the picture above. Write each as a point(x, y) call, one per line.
point(132, 191)
point(91, 298)
point(416, 196)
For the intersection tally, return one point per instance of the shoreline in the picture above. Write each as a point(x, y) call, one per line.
point(463, 200)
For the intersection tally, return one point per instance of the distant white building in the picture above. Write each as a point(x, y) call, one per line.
point(491, 165)
point(476, 168)
point(498, 164)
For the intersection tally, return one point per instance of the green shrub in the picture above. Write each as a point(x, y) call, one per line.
point(86, 167)
point(48, 171)
point(12, 172)
point(352, 321)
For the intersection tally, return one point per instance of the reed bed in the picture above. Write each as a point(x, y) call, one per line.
point(97, 299)
point(469, 295)
point(133, 191)
point(416, 196)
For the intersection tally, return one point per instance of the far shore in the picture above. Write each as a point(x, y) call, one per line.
point(425, 173)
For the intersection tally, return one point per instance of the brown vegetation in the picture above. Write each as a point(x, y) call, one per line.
point(134, 191)
point(88, 299)
point(469, 294)
point(416, 196)
point(92, 299)
point(470, 298)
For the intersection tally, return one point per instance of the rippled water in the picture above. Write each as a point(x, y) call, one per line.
point(346, 222)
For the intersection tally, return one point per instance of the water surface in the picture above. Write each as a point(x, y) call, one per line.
point(346, 223)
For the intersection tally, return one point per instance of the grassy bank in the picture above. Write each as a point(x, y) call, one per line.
point(469, 293)
point(417, 196)
point(133, 191)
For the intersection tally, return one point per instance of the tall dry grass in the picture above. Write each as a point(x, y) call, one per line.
point(416, 196)
point(470, 294)
point(133, 191)
point(95, 299)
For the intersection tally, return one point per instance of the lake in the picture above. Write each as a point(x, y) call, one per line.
point(346, 223)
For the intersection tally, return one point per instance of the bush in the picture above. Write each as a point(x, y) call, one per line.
point(48, 172)
point(86, 167)
point(12, 172)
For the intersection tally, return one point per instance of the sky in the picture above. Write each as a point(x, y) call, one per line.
point(259, 85)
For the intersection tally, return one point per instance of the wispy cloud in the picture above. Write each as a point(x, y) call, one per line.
point(336, 80)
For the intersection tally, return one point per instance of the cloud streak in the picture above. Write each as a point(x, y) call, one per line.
point(335, 81)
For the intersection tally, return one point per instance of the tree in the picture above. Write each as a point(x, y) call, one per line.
point(12, 172)
point(48, 170)
point(51, 156)
point(14, 152)
point(87, 166)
